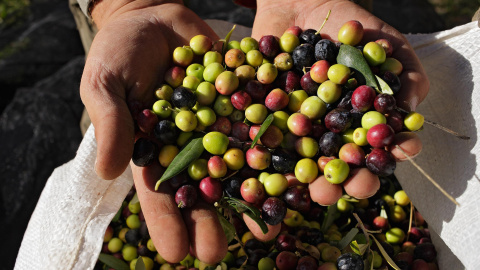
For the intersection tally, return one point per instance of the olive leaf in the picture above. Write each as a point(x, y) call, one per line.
point(349, 198)
point(332, 214)
point(113, 262)
point(383, 213)
point(347, 238)
point(227, 227)
point(384, 253)
point(140, 265)
point(227, 39)
point(251, 212)
point(268, 121)
point(373, 258)
point(134, 199)
point(191, 152)
point(353, 58)
point(358, 248)
point(384, 87)
point(391, 186)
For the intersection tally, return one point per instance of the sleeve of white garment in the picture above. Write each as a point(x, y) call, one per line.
point(84, 6)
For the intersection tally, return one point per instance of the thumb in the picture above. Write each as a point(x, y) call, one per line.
point(273, 230)
point(114, 127)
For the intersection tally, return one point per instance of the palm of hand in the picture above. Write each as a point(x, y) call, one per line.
point(127, 60)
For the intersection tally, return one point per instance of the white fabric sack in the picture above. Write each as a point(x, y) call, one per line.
point(67, 227)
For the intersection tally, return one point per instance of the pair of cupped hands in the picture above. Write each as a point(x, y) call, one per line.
point(126, 63)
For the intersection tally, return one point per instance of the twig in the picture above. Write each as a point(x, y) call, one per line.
point(362, 227)
point(434, 124)
point(233, 247)
point(230, 175)
point(411, 220)
point(428, 176)
point(326, 19)
point(456, 134)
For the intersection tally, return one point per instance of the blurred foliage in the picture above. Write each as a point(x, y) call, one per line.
point(456, 12)
point(12, 11)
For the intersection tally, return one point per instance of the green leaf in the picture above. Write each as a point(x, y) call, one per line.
point(384, 253)
point(373, 258)
point(140, 265)
point(350, 198)
point(358, 248)
point(259, 221)
point(252, 212)
point(330, 218)
point(113, 262)
point(241, 207)
point(191, 152)
point(384, 87)
point(383, 213)
point(353, 58)
point(227, 227)
point(134, 199)
point(348, 238)
point(268, 121)
point(391, 189)
point(227, 39)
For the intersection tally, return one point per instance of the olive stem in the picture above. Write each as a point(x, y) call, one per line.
point(456, 134)
point(411, 220)
point(170, 108)
point(233, 247)
point(345, 225)
point(364, 230)
point(427, 176)
point(326, 19)
point(230, 175)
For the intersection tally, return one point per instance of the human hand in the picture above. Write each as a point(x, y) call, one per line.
point(274, 17)
point(126, 62)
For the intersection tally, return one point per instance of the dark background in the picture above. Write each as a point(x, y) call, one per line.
point(41, 62)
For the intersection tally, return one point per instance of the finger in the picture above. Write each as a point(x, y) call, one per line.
point(409, 142)
point(361, 183)
point(164, 220)
point(273, 230)
point(109, 85)
point(109, 113)
point(208, 241)
point(415, 87)
point(415, 84)
point(414, 80)
point(324, 192)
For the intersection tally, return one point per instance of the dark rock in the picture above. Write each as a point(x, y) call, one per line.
point(222, 10)
point(39, 131)
point(409, 16)
point(46, 41)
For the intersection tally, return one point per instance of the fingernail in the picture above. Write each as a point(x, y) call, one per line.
point(409, 105)
point(413, 103)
